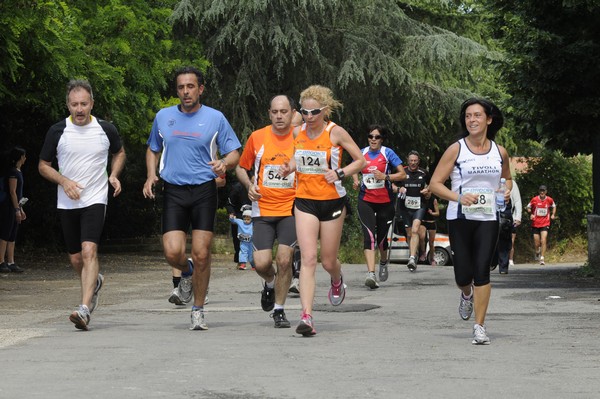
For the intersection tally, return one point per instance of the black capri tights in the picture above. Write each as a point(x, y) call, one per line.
point(375, 220)
point(473, 245)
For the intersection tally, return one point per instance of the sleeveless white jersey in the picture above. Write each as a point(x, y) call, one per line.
point(479, 174)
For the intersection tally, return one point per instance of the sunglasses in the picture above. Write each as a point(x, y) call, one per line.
point(374, 137)
point(313, 112)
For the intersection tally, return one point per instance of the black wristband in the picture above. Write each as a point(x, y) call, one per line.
point(340, 173)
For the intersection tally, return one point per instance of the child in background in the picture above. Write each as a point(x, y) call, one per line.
point(245, 237)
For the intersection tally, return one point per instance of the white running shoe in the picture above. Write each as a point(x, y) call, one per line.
point(81, 317)
point(465, 308)
point(542, 261)
point(185, 285)
point(479, 335)
point(295, 287)
point(511, 263)
point(370, 281)
point(175, 298)
point(198, 322)
point(412, 264)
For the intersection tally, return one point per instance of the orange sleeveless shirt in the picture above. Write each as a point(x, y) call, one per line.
point(313, 158)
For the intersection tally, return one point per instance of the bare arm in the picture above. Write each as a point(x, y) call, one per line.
point(339, 136)
point(244, 179)
point(12, 191)
point(506, 172)
point(399, 175)
point(436, 211)
point(151, 178)
point(228, 162)
point(116, 167)
point(72, 189)
point(355, 182)
point(442, 173)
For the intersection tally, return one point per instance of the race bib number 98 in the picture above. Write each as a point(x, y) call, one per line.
point(311, 162)
point(485, 201)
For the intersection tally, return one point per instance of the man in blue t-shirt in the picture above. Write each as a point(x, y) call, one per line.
point(185, 143)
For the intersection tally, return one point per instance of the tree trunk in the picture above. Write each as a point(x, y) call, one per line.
point(594, 219)
point(596, 173)
point(593, 227)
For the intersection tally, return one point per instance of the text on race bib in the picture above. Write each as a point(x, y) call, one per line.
point(272, 178)
point(371, 182)
point(412, 202)
point(485, 201)
point(311, 162)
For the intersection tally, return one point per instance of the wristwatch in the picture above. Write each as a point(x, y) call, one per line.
point(340, 173)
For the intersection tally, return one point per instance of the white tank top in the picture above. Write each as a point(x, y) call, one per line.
point(479, 174)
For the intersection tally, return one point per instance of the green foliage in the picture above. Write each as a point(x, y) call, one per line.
point(385, 66)
point(127, 50)
point(569, 183)
point(351, 248)
point(551, 69)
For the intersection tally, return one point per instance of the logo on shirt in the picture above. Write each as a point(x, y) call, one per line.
point(171, 122)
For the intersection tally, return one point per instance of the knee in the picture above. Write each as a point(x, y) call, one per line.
point(283, 262)
point(89, 252)
point(309, 260)
point(173, 257)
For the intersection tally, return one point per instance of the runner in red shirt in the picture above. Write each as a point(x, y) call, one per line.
point(542, 209)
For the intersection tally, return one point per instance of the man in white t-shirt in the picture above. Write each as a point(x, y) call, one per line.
point(81, 144)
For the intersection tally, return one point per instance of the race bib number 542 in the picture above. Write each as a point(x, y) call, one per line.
point(272, 178)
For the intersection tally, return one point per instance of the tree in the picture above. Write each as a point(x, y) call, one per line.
point(385, 66)
point(551, 71)
point(126, 49)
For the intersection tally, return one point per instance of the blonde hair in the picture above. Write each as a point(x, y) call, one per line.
point(323, 96)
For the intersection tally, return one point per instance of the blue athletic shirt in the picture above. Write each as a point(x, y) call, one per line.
point(188, 142)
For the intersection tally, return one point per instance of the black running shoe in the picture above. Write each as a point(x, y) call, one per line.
point(278, 316)
point(267, 299)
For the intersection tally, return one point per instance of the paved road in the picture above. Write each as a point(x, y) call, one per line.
point(404, 340)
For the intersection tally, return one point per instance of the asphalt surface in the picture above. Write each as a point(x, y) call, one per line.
point(404, 340)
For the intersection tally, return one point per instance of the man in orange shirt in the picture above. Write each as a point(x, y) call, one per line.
point(272, 198)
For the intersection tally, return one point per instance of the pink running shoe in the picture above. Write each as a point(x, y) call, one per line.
point(305, 327)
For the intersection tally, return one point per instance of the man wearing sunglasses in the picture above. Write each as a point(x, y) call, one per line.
point(272, 197)
point(413, 204)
